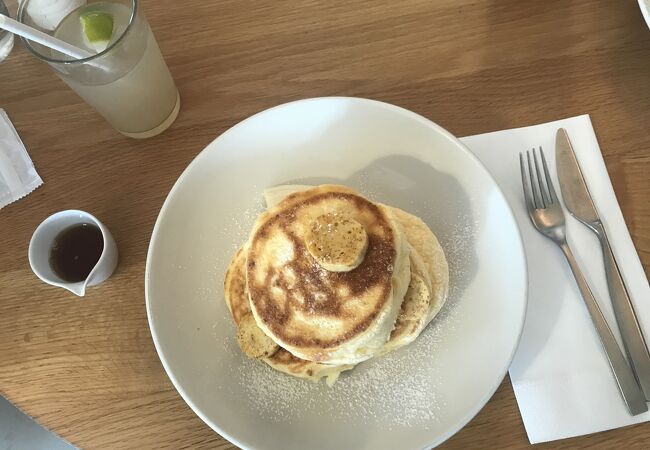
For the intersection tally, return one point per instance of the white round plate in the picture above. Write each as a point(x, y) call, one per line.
point(413, 398)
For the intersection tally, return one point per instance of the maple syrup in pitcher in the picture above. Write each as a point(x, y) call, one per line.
point(75, 252)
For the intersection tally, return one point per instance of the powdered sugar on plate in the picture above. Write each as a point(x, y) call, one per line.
point(398, 389)
point(390, 389)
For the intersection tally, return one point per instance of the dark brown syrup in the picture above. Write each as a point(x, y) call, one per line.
point(75, 252)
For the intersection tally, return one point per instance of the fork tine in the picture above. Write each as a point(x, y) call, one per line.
point(547, 174)
point(525, 185)
point(543, 192)
point(537, 201)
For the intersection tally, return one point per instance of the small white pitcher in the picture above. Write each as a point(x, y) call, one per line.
point(43, 239)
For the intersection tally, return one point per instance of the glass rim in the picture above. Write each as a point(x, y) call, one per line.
point(32, 50)
point(3, 10)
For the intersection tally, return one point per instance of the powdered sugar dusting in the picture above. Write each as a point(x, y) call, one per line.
point(459, 246)
point(240, 227)
point(399, 390)
point(396, 390)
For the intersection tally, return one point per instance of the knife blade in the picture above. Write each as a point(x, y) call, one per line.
point(578, 201)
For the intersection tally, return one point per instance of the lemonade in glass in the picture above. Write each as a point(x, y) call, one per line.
point(125, 79)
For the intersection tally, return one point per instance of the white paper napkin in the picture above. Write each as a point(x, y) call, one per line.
point(563, 384)
point(18, 176)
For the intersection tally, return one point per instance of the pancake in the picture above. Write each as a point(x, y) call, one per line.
point(316, 314)
point(237, 301)
point(425, 242)
point(413, 315)
point(274, 195)
point(428, 266)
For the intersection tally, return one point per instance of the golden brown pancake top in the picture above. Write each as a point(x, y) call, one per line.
point(312, 290)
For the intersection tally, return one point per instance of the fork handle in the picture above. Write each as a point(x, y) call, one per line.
point(627, 384)
point(626, 318)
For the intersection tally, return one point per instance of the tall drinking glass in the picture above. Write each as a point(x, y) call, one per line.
point(6, 38)
point(128, 82)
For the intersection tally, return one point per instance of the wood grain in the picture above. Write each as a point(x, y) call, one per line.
point(87, 369)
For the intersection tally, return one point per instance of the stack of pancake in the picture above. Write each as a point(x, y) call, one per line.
point(329, 279)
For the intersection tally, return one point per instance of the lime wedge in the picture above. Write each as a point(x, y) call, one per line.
point(97, 29)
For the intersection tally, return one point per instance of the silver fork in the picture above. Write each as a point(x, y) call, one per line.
point(547, 215)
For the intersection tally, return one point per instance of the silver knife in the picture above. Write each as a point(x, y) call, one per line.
point(577, 200)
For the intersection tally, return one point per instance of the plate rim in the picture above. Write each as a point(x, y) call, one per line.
point(460, 424)
point(645, 11)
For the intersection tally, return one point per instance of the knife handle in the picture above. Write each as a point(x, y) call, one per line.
point(627, 383)
point(626, 318)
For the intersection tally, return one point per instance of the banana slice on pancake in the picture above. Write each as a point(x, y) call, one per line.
point(252, 339)
point(336, 242)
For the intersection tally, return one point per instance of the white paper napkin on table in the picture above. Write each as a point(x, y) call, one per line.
point(18, 176)
point(563, 384)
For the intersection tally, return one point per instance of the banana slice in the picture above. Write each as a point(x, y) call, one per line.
point(252, 339)
point(337, 243)
point(416, 301)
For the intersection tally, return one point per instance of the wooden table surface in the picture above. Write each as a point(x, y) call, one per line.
point(87, 369)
